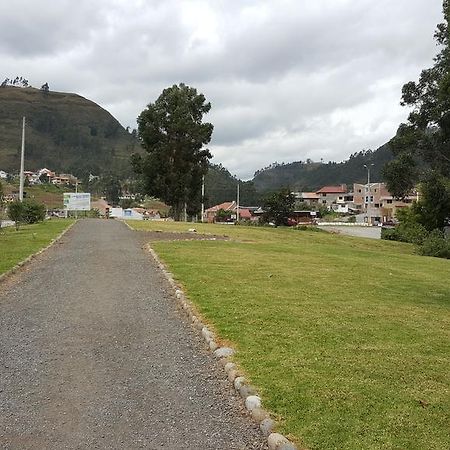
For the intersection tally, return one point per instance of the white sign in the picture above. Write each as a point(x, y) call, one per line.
point(77, 201)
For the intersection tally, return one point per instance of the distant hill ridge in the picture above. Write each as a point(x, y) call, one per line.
point(305, 176)
point(65, 132)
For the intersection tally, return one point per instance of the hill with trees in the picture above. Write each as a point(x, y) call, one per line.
point(64, 132)
point(309, 175)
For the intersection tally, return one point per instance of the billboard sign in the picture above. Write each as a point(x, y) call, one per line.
point(77, 201)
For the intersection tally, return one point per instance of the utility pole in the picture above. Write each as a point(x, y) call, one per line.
point(237, 204)
point(369, 218)
point(203, 198)
point(22, 162)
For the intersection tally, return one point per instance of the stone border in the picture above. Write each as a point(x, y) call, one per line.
point(21, 264)
point(248, 393)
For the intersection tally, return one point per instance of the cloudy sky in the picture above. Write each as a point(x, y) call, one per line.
point(287, 79)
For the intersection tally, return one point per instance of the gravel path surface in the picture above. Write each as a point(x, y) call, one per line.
point(95, 354)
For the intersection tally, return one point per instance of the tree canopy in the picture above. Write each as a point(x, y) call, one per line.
point(279, 206)
point(172, 132)
point(426, 136)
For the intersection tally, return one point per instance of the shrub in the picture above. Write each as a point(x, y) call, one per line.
point(27, 211)
point(436, 244)
point(412, 232)
point(15, 212)
point(33, 211)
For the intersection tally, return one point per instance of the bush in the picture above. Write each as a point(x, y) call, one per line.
point(28, 211)
point(411, 232)
point(33, 211)
point(436, 244)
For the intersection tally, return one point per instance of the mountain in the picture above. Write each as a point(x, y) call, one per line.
point(310, 176)
point(221, 186)
point(64, 132)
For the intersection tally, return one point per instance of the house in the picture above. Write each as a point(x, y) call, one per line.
point(245, 212)
point(377, 203)
point(46, 172)
point(309, 198)
point(211, 213)
point(65, 179)
point(3, 175)
point(332, 195)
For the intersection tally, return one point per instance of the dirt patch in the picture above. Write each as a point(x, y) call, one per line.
point(153, 236)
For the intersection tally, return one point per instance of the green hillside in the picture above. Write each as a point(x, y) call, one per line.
point(65, 132)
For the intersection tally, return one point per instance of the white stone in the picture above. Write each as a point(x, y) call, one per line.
point(212, 345)
point(231, 375)
point(287, 446)
point(266, 426)
point(223, 352)
point(229, 366)
point(207, 335)
point(275, 440)
point(252, 402)
point(238, 382)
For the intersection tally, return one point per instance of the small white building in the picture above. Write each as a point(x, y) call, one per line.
point(3, 175)
point(120, 213)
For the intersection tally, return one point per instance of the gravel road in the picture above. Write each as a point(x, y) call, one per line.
point(95, 354)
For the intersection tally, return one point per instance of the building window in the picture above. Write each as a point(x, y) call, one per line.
point(377, 205)
point(359, 190)
point(389, 202)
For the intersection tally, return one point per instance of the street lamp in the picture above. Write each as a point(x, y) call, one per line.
point(368, 166)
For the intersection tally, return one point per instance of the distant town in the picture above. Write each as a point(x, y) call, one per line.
point(364, 204)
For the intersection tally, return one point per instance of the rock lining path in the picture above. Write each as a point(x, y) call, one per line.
point(95, 354)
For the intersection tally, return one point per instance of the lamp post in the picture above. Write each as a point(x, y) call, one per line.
point(368, 166)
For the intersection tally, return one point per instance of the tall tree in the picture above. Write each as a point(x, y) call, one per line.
point(279, 206)
point(426, 135)
point(173, 134)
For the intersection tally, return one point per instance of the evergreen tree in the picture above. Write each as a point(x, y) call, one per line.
point(173, 134)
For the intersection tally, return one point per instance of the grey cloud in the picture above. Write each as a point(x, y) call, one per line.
point(287, 79)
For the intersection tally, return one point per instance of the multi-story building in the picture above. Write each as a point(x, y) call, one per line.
point(333, 195)
point(377, 203)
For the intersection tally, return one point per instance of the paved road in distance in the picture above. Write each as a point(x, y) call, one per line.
point(366, 232)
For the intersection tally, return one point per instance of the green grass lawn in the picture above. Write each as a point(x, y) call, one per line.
point(347, 339)
point(15, 246)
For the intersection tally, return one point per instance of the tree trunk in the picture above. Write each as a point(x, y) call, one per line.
point(177, 211)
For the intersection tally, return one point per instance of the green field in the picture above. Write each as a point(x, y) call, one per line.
point(15, 246)
point(347, 339)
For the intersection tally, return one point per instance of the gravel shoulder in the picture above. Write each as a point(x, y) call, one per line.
point(95, 354)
